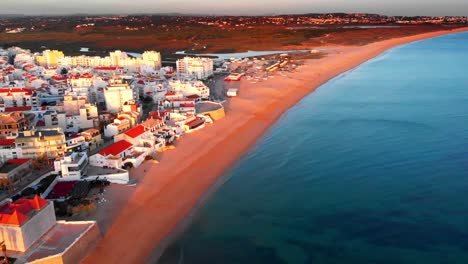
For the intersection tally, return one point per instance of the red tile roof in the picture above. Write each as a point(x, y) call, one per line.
point(111, 68)
point(195, 122)
point(187, 105)
point(18, 109)
point(116, 148)
point(59, 78)
point(18, 213)
point(15, 218)
point(7, 142)
point(16, 90)
point(18, 161)
point(37, 202)
point(158, 115)
point(180, 99)
point(135, 132)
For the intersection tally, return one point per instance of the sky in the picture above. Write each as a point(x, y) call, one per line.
point(236, 7)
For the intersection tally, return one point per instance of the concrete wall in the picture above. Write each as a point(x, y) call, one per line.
point(13, 237)
point(21, 238)
point(77, 251)
point(119, 178)
point(215, 114)
point(6, 154)
point(37, 226)
point(57, 259)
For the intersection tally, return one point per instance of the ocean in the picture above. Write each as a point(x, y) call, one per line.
point(370, 168)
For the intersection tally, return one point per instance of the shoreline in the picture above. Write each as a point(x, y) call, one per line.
point(171, 191)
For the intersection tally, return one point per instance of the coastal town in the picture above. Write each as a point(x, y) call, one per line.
point(92, 107)
point(70, 126)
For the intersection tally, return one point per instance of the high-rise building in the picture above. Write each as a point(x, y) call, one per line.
point(200, 68)
point(150, 60)
point(116, 95)
point(49, 58)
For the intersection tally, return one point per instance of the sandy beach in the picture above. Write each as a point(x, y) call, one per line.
point(167, 192)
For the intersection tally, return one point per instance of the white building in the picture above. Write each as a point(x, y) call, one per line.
point(22, 223)
point(7, 150)
point(116, 95)
point(138, 136)
point(15, 97)
point(33, 235)
point(55, 119)
point(113, 155)
point(200, 68)
point(76, 143)
point(79, 113)
point(149, 61)
point(72, 166)
point(93, 138)
point(49, 58)
point(34, 143)
point(85, 80)
point(88, 118)
point(187, 88)
point(118, 126)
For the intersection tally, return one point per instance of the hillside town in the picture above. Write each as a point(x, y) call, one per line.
point(70, 124)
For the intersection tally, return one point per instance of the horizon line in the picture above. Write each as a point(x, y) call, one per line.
point(210, 15)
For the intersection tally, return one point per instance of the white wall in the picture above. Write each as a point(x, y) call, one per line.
point(21, 238)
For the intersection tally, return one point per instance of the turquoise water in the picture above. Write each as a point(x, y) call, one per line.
point(370, 168)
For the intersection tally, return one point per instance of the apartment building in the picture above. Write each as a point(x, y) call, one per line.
point(12, 123)
point(48, 143)
point(200, 68)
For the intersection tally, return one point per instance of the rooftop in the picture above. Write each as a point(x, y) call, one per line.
point(39, 133)
point(110, 68)
point(15, 90)
point(116, 148)
point(12, 164)
point(21, 211)
point(7, 142)
point(151, 122)
point(18, 109)
point(135, 132)
point(56, 241)
point(10, 118)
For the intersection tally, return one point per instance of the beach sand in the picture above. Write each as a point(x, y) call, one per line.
point(171, 189)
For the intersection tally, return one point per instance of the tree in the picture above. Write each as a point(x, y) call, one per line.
point(128, 165)
point(64, 71)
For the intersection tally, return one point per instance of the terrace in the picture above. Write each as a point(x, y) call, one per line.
point(113, 175)
point(61, 190)
point(56, 241)
point(69, 190)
